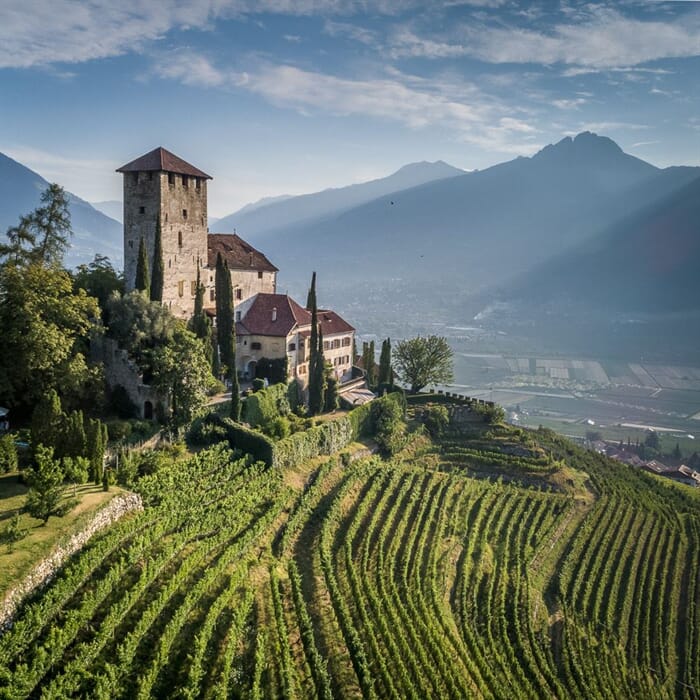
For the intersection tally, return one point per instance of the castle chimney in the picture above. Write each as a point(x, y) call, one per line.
point(274, 313)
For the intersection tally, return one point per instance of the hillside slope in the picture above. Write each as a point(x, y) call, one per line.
point(497, 563)
point(647, 261)
point(94, 232)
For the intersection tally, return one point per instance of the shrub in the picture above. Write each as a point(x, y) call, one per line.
point(258, 384)
point(8, 454)
point(120, 403)
point(436, 419)
point(389, 427)
point(118, 429)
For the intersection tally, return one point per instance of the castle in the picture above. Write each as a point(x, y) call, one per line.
point(162, 190)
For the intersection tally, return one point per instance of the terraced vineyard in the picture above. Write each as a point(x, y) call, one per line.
point(507, 564)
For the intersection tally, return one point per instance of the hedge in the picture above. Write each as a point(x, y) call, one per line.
point(323, 439)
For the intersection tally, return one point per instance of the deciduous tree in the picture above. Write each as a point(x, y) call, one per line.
point(423, 360)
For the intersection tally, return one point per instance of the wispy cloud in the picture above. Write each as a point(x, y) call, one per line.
point(351, 31)
point(42, 32)
point(593, 39)
point(416, 102)
point(564, 103)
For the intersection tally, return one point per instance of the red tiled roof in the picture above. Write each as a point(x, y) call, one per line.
point(258, 319)
point(239, 254)
point(161, 160)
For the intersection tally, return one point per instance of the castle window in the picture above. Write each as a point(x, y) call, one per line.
point(179, 238)
point(142, 210)
point(131, 244)
point(211, 295)
point(170, 262)
point(292, 347)
point(259, 274)
point(185, 182)
point(181, 288)
point(255, 346)
point(198, 183)
point(193, 288)
point(150, 174)
point(171, 179)
point(239, 293)
point(166, 218)
point(184, 214)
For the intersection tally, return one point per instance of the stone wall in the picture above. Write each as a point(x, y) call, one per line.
point(120, 370)
point(45, 570)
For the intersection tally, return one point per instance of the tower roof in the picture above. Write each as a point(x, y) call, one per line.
point(161, 160)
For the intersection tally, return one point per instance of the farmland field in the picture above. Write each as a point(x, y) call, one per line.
point(493, 563)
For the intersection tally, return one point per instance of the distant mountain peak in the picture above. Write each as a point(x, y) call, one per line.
point(586, 143)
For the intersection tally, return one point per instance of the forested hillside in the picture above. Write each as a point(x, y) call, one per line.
point(488, 562)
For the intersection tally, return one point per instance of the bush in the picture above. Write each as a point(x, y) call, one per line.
point(265, 406)
point(279, 428)
point(8, 454)
point(118, 430)
point(258, 384)
point(436, 419)
point(389, 427)
point(12, 533)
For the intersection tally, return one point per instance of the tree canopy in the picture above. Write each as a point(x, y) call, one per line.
point(423, 360)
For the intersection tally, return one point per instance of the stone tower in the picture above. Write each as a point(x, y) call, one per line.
point(159, 186)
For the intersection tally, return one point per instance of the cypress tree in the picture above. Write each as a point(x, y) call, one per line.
point(158, 273)
point(384, 377)
point(235, 387)
point(75, 441)
point(371, 365)
point(200, 324)
point(224, 311)
point(142, 282)
point(311, 296)
point(316, 368)
point(47, 420)
point(96, 440)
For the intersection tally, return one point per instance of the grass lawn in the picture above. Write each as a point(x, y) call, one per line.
point(17, 561)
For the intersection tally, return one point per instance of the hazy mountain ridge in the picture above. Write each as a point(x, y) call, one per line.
point(93, 231)
point(480, 229)
point(647, 261)
point(113, 208)
point(260, 217)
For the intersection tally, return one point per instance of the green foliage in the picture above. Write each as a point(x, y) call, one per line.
point(45, 482)
point(436, 419)
point(158, 271)
point(73, 442)
point(142, 282)
point(295, 396)
point(45, 329)
point(652, 440)
point(317, 374)
point(311, 296)
point(265, 406)
point(99, 279)
point(258, 384)
point(385, 375)
point(96, 435)
point(331, 397)
point(423, 360)
point(225, 325)
point(47, 420)
point(76, 470)
point(13, 532)
point(490, 413)
point(139, 325)
point(42, 236)
point(8, 454)
point(120, 404)
point(389, 426)
point(182, 370)
point(369, 363)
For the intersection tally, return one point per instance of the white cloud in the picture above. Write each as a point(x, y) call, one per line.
point(603, 38)
point(569, 103)
point(352, 31)
point(42, 32)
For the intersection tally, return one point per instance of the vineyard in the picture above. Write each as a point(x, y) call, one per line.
point(495, 564)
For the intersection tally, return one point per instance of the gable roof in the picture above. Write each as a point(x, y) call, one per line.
point(239, 254)
point(161, 160)
point(258, 319)
point(290, 315)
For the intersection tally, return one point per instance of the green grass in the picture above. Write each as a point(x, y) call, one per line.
point(17, 561)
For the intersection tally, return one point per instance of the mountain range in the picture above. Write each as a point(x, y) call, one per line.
point(93, 231)
point(580, 220)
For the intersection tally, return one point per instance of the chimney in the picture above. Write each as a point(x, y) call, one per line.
point(274, 313)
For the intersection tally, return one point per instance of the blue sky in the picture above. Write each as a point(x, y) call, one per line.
point(277, 96)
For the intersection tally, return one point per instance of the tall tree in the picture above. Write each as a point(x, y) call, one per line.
point(311, 296)
point(200, 324)
point(142, 283)
point(43, 235)
point(316, 378)
point(99, 279)
point(224, 313)
point(421, 361)
point(45, 482)
point(47, 420)
point(384, 376)
point(158, 272)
